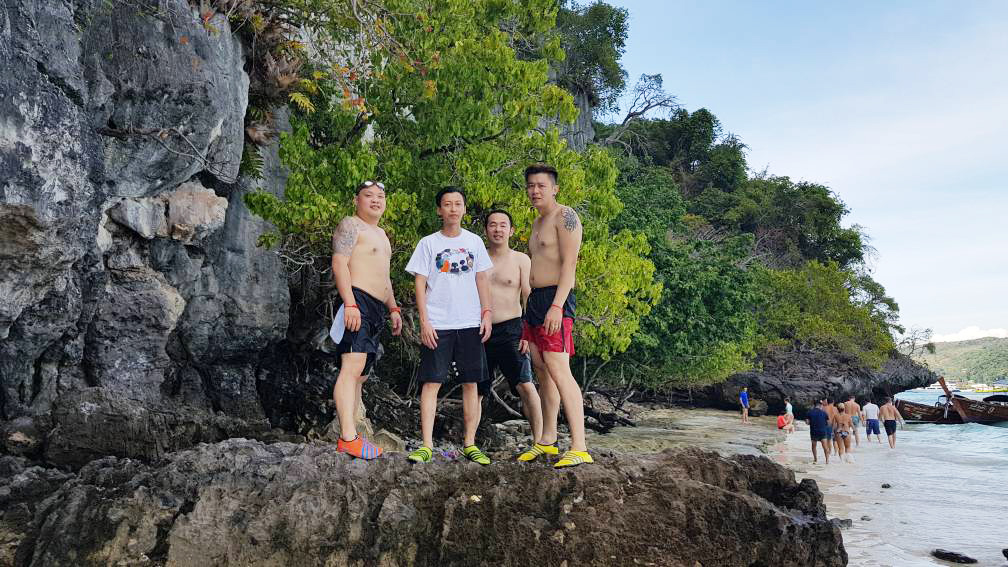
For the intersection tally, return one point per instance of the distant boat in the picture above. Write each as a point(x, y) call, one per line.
point(992, 409)
point(938, 413)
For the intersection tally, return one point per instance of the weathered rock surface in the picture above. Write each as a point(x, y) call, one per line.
point(812, 375)
point(242, 502)
point(952, 556)
point(136, 313)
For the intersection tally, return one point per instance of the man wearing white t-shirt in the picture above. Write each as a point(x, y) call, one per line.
point(453, 298)
point(870, 412)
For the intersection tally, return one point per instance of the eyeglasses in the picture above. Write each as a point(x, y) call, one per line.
point(370, 183)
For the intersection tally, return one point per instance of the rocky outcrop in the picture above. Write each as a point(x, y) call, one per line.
point(807, 376)
point(136, 312)
point(241, 502)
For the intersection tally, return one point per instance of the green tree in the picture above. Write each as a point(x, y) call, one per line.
point(594, 37)
point(702, 328)
point(813, 307)
point(459, 106)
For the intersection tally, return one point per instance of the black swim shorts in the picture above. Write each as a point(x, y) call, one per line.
point(817, 435)
point(373, 314)
point(502, 353)
point(890, 426)
point(540, 300)
point(459, 346)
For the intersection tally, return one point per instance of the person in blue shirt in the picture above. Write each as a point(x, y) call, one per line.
point(818, 421)
point(744, 400)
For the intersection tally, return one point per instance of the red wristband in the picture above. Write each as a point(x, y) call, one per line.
point(353, 306)
point(485, 311)
point(560, 307)
point(394, 310)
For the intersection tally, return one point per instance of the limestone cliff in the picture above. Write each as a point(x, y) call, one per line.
point(134, 304)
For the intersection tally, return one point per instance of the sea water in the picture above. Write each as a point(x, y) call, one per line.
point(949, 490)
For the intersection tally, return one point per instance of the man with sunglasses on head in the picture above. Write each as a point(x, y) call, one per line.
point(361, 270)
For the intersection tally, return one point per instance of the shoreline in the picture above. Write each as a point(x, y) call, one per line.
point(888, 527)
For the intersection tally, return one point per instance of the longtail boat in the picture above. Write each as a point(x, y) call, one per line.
point(941, 412)
point(992, 409)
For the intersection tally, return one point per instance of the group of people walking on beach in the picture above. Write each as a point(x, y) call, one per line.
point(482, 307)
point(833, 425)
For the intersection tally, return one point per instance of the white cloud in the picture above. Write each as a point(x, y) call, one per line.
point(970, 333)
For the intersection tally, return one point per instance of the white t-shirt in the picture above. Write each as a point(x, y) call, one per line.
point(450, 265)
point(870, 411)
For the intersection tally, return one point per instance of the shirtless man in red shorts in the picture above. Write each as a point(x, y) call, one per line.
point(549, 317)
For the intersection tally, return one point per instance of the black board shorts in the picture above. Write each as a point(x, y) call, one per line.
point(462, 347)
point(539, 302)
point(502, 353)
point(890, 426)
point(373, 314)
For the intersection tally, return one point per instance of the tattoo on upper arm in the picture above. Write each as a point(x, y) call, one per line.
point(570, 219)
point(345, 237)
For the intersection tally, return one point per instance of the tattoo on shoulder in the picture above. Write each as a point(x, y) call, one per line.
point(345, 237)
point(570, 219)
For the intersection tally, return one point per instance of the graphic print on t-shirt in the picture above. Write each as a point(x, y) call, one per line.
point(454, 260)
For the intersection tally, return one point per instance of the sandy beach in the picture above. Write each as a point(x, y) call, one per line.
point(935, 500)
point(944, 491)
point(718, 430)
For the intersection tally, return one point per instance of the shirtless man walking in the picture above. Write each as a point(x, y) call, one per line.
point(854, 411)
point(889, 415)
point(549, 318)
point(360, 266)
point(505, 349)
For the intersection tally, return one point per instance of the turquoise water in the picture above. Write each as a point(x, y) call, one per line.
point(949, 490)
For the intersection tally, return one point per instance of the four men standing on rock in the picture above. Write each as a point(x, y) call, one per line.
point(458, 299)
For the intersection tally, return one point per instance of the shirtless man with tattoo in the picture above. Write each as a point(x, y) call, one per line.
point(360, 266)
point(549, 316)
point(505, 349)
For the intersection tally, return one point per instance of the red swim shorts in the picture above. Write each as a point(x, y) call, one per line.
point(560, 341)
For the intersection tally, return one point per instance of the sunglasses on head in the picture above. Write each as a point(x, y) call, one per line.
point(370, 183)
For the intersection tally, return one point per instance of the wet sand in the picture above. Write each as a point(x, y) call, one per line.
point(930, 503)
point(894, 527)
point(720, 431)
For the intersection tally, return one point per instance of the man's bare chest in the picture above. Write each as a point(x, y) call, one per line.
point(505, 273)
point(543, 239)
point(372, 244)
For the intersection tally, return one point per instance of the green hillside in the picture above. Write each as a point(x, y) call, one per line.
point(979, 360)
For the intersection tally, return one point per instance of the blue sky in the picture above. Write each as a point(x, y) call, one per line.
point(900, 107)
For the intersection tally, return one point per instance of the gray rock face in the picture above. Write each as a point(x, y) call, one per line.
point(145, 216)
point(135, 308)
point(808, 376)
point(241, 502)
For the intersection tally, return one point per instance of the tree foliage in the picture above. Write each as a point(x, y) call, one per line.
point(462, 108)
point(813, 307)
point(594, 37)
point(702, 328)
